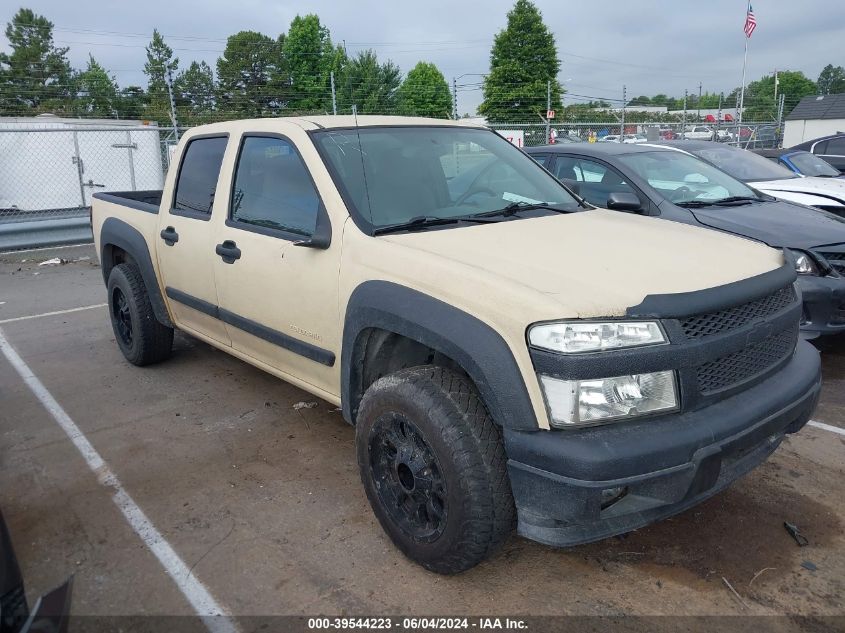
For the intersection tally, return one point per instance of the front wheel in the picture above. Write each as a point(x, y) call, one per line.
point(434, 469)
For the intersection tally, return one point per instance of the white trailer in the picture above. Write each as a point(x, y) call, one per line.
point(50, 166)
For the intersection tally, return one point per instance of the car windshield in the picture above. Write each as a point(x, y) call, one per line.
point(682, 178)
point(742, 164)
point(811, 165)
point(392, 175)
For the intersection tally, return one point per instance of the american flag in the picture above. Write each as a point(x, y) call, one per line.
point(750, 22)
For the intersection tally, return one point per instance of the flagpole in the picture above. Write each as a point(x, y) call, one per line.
point(742, 92)
point(744, 64)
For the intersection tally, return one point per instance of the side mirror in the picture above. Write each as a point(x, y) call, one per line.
point(321, 239)
point(623, 201)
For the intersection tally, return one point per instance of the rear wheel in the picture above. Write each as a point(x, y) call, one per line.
point(139, 335)
point(434, 468)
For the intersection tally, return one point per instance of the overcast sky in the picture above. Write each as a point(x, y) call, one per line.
point(652, 46)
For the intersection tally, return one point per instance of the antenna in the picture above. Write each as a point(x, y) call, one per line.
point(363, 166)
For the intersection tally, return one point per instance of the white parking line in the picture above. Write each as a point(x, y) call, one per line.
point(46, 314)
point(215, 617)
point(826, 427)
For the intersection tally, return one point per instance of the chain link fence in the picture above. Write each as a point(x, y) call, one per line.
point(50, 171)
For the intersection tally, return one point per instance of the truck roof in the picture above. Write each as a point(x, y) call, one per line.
point(334, 122)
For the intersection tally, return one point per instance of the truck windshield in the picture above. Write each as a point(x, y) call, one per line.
point(390, 175)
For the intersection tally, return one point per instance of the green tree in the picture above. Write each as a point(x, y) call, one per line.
point(369, 85)
point(195, 93)
point(249, 75)
point(35, 76)
point(760, 103)
point(132, 103)
point(524, 58)
point(831, 80)
point(160, 63)
point(310, 58)
point(96, 92)
point(642, 100)
point(424, 92)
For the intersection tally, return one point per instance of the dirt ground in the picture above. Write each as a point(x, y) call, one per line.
point(264, 504)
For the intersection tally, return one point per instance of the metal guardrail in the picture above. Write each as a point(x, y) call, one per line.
point(43, 233)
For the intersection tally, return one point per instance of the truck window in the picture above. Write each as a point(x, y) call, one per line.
point(198, 177)
point(272, 188)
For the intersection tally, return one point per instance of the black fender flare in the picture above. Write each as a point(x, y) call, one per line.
point(475, 346)
point(120, 234)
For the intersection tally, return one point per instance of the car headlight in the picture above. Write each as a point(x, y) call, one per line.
point(587, 336)
point(804, 264)
point(573, 403)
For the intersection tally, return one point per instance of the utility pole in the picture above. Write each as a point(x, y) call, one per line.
point(684, 120)
point(548, 109)
point(780, 118)
point(624, 103)
point(776, 84)
point(699, 101)
point(719, 114)
point(172, 105)
point(454, 98)
point(334, 96)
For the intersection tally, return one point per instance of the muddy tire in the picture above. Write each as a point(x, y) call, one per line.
point(434, 469)
point(139, 335)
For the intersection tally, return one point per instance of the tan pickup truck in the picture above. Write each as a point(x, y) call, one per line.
point(509, 355)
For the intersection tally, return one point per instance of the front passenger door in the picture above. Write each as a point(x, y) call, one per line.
point(279, 296)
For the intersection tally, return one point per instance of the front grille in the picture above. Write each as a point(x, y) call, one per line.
point(740, 366)
point(837, 260)
point(710, 323)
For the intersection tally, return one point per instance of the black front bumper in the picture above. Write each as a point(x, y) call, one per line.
point(658, 467)
point(824, 305)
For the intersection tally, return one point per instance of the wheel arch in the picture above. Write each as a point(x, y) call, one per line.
point(379, 310)
point(120, 242)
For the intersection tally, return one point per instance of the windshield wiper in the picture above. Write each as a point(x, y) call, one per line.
point(515, 207)
point(419, 222)
point(730, 201)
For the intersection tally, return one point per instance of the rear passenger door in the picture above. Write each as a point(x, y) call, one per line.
point(279, 296)
point(186, 248)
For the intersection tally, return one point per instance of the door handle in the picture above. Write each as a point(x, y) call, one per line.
point(229, 251)
point(169, 235)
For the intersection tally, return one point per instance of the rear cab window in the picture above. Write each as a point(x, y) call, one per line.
point(198, 175)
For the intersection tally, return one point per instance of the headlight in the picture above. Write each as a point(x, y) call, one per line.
point(583, 402)
point(804, 264)
point(586, 336)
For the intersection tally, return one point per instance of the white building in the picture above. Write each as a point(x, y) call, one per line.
point(815, 116)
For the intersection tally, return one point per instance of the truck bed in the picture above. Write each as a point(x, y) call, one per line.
point(148, 200)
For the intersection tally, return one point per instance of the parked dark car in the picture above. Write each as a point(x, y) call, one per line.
point(678, 186)
point(831, 148)
point(801, 162)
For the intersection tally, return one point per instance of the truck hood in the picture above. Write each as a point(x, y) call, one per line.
point(831, 188)
point(592, 263)
point(777, 223)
